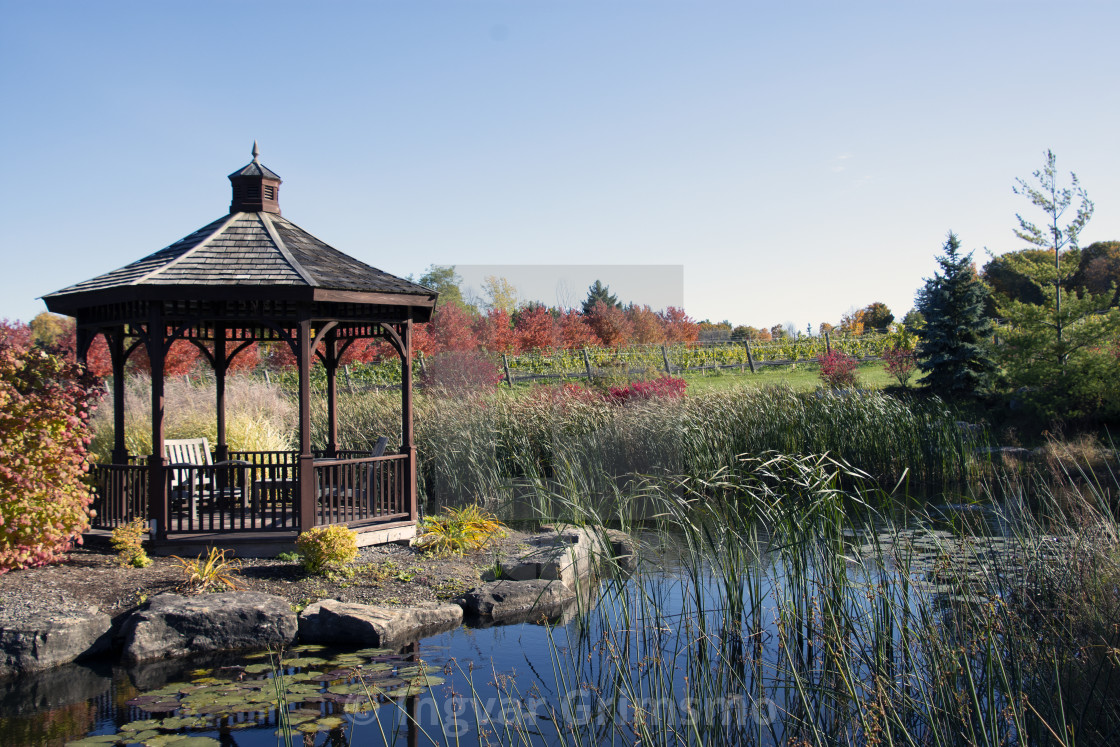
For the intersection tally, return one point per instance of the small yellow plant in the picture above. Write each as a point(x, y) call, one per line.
point(213, 573)
point(128, 541)
point(459, 530)
point(326, 549)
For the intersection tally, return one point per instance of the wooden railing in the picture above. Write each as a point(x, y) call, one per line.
point(255, 491)
point(365, 489)
point(121, 494)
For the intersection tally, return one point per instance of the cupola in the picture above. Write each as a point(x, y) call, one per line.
point(256, 189)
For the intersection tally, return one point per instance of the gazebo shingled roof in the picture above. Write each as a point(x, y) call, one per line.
point(246, 250)
point(251, 275)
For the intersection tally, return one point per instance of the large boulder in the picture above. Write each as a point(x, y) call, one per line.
point(173, 625)
point(509, 601)
point(51, 638)
point(331, 621)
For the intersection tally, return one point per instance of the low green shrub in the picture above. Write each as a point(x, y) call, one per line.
point(128, 541)
point(327, 549)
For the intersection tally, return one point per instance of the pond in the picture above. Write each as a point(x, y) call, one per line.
point(740, 647)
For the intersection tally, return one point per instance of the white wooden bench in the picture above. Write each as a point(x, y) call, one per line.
point(183, 456)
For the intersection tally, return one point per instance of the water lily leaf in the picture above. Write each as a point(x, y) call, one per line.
point(330, 722)
point(141, 725)
point(357, 707)
point(310, 727)
point(195, 742)
point(163, 706)
point(304, 688)
point(344, 689)
point(258, 668)
point(304, 661)
point(370, 652)
point(309, 648)
point(100, 739)
point(144, 736)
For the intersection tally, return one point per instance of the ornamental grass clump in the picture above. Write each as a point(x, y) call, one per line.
point(459, 530)
point(128, 540)
point(215, 572)
point(327, 550)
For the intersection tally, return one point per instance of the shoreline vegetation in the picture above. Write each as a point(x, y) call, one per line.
point(868, 564)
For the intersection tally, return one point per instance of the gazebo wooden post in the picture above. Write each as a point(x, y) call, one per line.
point(116, 356)
point(221, 451)
point(408, 445)
point(304, 352)
point(330, 362)
point(157, 490)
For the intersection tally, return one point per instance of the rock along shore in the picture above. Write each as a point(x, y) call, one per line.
point(540, 579)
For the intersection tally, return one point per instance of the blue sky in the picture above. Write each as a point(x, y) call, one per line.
point(797, 159)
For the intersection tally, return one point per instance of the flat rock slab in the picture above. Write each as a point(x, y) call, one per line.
point(174, 625)
point(52, 638)
point(331, 621)
point(568, 554)
point(518, 601)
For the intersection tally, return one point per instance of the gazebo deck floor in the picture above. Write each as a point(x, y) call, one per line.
point(250, 544)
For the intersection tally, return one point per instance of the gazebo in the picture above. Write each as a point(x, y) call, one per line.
point(251, 276)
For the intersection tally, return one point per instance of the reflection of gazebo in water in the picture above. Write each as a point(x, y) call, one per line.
point(252, 276)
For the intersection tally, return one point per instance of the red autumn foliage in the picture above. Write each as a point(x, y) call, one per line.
point(575, 332)
point(610, 324)
point(647, 327)
point(45, 401)
point(451, 328)
point(495, 332)
point(536, 329)
point(838, 369)
point(900, 363)
point(679, 327)
point(666, 387)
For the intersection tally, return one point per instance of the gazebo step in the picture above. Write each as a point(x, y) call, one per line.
point(258, 544)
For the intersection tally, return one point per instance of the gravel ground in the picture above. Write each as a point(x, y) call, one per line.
point(389, 574)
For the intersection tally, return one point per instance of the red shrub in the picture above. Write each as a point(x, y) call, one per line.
point(900, 364)
point(44, 414)
point(666, 387)
point(838, 369)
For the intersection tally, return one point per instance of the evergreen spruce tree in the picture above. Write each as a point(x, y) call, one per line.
point(599, 292)
point(952, 348)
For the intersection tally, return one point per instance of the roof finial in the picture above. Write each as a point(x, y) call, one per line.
point(256, 153)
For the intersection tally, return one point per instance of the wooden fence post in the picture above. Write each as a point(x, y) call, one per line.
point(349, 383)
point(587, 365)
point(505, 365)
point(750, 358)
point(827, 343)
point(665, 357)
point(423, 366)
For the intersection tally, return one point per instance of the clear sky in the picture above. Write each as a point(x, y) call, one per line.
point(796, 158)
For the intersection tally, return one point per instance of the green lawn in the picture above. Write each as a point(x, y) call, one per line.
point(801, 377)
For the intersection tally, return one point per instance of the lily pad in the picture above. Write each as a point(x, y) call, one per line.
point(142, 724)
point(100, 739)
point(258, 668)
point(304, 661)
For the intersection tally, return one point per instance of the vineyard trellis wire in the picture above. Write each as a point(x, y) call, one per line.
point(602, 362)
